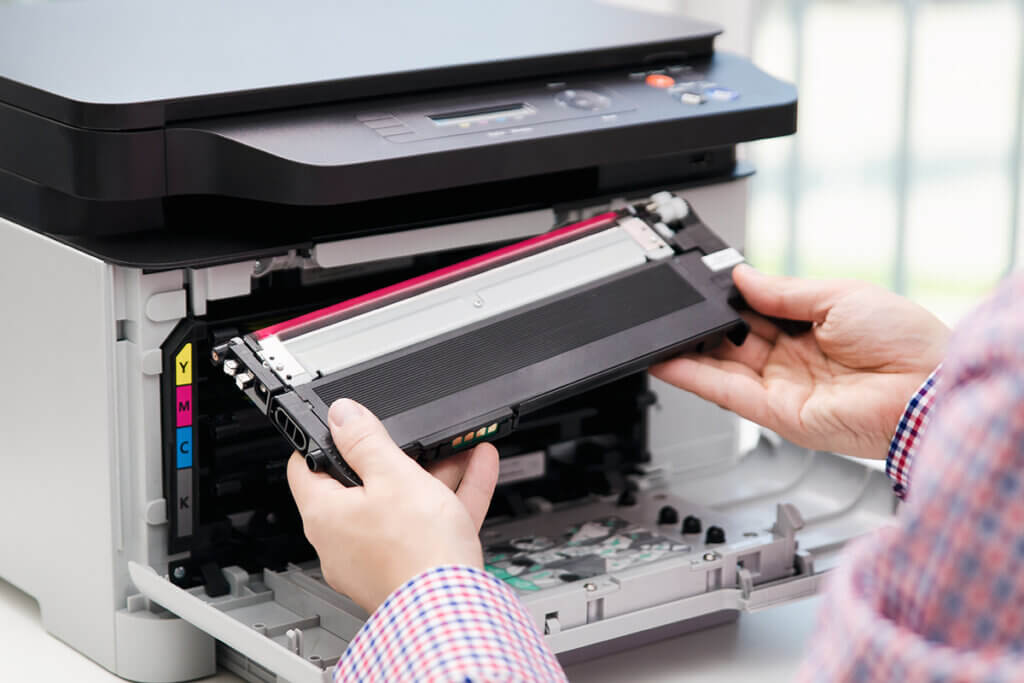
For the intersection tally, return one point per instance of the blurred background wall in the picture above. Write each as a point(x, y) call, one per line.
point(906, 169)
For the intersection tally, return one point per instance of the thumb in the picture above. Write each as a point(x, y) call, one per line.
point(308, 487)
point(478, 482)
point(787, 297)
point(364, 443)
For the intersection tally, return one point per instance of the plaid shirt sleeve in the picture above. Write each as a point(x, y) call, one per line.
point(908, 432)
point(450, 624)
point(940, 596)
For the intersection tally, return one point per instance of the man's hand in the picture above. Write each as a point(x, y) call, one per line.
point(842, 386)
point(402, 521)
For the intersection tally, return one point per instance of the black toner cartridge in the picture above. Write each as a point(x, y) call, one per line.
point(454, 357)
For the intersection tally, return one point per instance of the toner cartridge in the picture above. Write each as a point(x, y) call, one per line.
point(454, 357)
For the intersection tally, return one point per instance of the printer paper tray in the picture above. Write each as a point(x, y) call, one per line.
point(840, 499)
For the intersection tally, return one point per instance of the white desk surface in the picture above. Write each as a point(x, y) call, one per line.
point(765, 646)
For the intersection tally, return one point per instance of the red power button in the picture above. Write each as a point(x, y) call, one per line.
point(660, 81)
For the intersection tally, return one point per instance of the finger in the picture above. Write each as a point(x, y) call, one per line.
point(728, 384)
point(761, 326)
point(364, 443)
point(308, 486)
point(450, 470)
point(787, 297)
point(477, 486)
point(753, 353)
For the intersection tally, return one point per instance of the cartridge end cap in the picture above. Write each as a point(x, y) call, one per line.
point(316, 461)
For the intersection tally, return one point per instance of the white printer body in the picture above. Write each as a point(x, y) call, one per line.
point(147, 216)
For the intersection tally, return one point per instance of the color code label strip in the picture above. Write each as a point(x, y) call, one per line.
point(183, 400)
point(184, 447)
point(184, 406)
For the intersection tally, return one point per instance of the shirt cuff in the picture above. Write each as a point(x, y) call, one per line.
point(907, 438)
point(450, 624)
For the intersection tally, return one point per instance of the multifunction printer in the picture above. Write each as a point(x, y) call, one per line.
point(178, 175)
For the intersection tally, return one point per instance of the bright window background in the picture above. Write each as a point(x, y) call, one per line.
point(906, 169)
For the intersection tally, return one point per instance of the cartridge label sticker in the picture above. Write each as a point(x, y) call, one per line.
point(183, 365)
point(184, 447)
point(183, 406)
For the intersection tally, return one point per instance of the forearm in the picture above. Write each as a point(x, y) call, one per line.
point(450, 624)
point(939, 596)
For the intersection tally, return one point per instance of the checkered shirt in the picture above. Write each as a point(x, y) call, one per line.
point(906, 440)
point(450, 624)
point(940, 595)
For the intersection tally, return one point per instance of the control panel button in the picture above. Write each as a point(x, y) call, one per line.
point(692, 98)
point(393, 130)
point(721, 94)
point(692, 86)
point(384, 125)
point(587, 100)
point(660, 81)
point(373, 116)
point(383, 122)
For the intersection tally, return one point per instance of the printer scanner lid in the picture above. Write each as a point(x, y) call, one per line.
point(120, 65)
point(253, 125)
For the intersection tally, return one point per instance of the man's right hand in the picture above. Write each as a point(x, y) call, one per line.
point(841, 386)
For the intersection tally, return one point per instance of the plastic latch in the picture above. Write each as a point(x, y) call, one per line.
point(745, 580)
point(788, 520)
point(216, 584)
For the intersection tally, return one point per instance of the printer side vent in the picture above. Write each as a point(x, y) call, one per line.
point(512, 343)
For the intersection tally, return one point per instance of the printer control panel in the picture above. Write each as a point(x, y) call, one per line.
point(513, 111)
point(497, 115)
point(333, 154)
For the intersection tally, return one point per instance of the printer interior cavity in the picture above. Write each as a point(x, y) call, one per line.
point(240, 511)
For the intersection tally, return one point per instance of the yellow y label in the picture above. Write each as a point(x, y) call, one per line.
point(183, 365)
